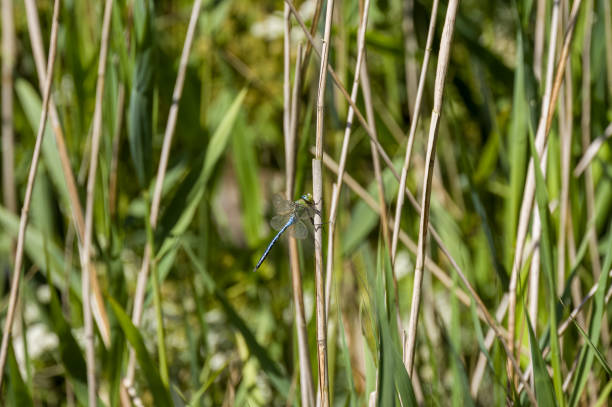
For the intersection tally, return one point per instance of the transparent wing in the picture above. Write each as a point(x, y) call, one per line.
point(281, 205)
point(278, 221)
point(299, 230)
point(305, 213)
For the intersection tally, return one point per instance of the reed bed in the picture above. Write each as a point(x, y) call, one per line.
point(458, 158)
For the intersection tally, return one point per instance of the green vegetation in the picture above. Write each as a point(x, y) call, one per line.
point(515, 266)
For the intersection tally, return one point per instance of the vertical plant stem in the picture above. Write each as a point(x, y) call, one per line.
point(159, 181)
point(25, 209)
point(443, 59)
point(344, 151)
point(550, 99)
point(367, 98)
point(410, 49)
point(527, 203)
point(306, 383)
point(384, 223)
point(538, 47)
point(317, 186)
point(565, 131)
point(73, 195)
point(89, 208)
point(413, 126)
point(311, 32)
point(8, 144)
point(287, 86)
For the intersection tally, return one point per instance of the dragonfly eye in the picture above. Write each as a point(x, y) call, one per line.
point(307, 198)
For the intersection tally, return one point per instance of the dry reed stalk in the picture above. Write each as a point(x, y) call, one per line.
point(75, 204)
point(410, 50)
point(550, 99)
point(25, 210)
point(590, 150)
point(367, 101)
point(413, 126)
point(312, 31)
point(96, 135)
point(9, 193)
point(293, 105)
point(538, 48)
point(565, 127)
point(141, 284)
point(287, 86)
point(317, 187)
point(525, 210)
point(443, 59)
point(412, 200)
point(338, 84)
point(344, 151)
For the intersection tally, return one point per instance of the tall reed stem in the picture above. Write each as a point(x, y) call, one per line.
point(413, 126)
point(89, 208)
point(25, 209)
point(317, 186)
point(443, 59)
point(159, 181)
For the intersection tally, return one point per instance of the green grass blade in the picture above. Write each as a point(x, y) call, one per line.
point(545, 394)
point(183, 207)
point(31, 105)
point(140, 110)
point(34, 247)
point(160, 392)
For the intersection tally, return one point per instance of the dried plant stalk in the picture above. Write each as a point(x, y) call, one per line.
point(443, 59)
point(159, 181)
point(550, 99)
point(96, 135)
point(8, 148)
point(75, 205)
point(293, 106)
point(413, 126)
point(317, 187)
point(25, 209)
point(344, 152)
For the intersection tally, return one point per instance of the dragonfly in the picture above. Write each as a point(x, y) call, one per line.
point(295, 216)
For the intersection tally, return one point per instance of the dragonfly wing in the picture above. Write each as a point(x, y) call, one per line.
point(281, 205)
point(299, 230)
point(306, 214)
point(278, 221)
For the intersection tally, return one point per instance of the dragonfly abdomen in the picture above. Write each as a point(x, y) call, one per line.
point(290, 222)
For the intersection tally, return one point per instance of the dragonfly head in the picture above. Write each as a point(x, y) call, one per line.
point(307, 198)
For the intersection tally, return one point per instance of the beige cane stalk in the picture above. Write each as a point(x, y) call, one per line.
point(25, 210)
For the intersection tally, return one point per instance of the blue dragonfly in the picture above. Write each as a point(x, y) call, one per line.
point(297, 216)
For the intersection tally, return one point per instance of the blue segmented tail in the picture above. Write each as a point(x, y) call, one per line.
point(290, 222)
